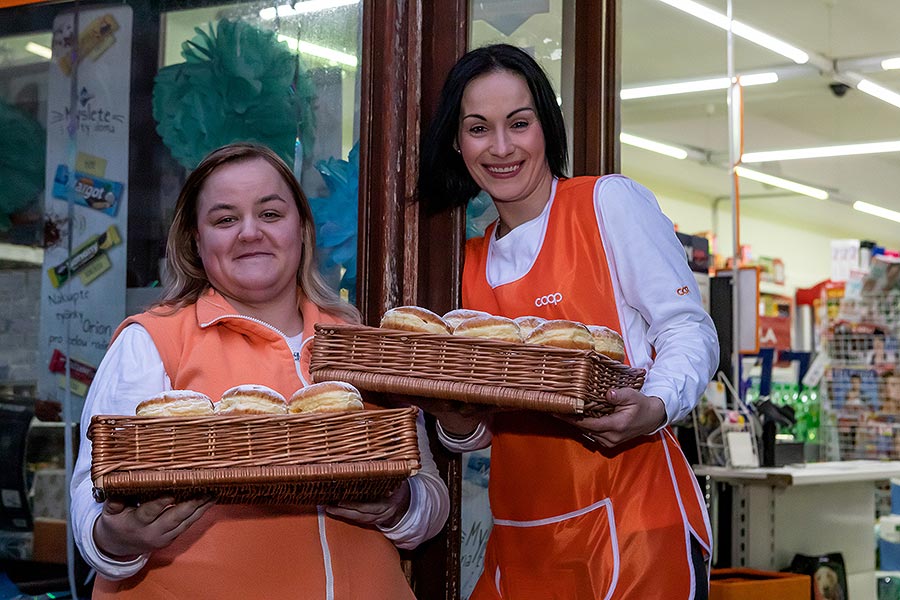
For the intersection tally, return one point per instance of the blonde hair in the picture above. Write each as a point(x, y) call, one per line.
point(187, 279)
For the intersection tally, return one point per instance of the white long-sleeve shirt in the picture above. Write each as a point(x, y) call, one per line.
point(646, 262)
point(131, 372)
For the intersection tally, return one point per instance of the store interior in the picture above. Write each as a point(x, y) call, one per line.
point(821, 78)
point(805, 108)
point(835, 104)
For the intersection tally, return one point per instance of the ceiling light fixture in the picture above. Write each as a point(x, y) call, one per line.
point(320, 51)
point(302, 8)
point(740, 29)
point(821, 152)
point(308, 6)
point(42, 51)
point(639, 142)
point(878, 211)
point(891, 63)
point(269, 14)
point(785, 184)
point(695, 85)
point(882, 93)
point(23, 254)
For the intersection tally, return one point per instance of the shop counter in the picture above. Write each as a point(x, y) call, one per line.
point(812, 509)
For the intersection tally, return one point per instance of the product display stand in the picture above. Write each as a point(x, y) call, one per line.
point(810, 509)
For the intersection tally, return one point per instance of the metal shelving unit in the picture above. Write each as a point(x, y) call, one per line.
point(861, 387)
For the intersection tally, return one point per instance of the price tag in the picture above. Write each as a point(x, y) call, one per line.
point(816, 370)
point(844, 256)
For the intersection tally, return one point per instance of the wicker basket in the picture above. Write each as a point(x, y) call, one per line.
point(255, 459)
point(466, 369)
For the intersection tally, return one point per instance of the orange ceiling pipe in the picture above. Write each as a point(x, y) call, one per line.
point(9, 3)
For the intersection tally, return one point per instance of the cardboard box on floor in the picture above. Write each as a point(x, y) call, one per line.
point(49, 540)
point(753, 584)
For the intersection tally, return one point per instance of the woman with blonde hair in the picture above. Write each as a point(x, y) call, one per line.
point(240, 306)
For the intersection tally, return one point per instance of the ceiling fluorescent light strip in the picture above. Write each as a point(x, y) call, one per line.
point(302, 8)
point(22, 254)
point(700, 11)
point(695, 85)
point(889, 64)
point(639, 142)
point(765, 40)
point(821, 152)
point(878, 211)
point(740, 29)
point(882, 93)
point(758, 78)
point(269, 14)
point(308, 6)
point(779, 182)
point(42, 51)
point(320, 51)
point(668, 89)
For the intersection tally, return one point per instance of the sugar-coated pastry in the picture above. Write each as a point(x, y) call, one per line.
point(562, 334)
point(608, 342)
point(251, 399)
point(455, 317)
point(490, 326)
point(528, 323)
point(176, 403)
point(327, 396)
point(414, 318)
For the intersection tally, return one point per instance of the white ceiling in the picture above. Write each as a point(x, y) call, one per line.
point(661, 44)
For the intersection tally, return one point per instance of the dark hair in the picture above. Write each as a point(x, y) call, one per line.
point(187, 278)
point(444, 180)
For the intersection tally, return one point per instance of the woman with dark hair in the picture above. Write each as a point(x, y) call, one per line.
point(445, 180)
point(242, 298)
point(583, 507)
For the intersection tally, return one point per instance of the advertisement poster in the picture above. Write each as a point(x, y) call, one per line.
point(475, 517)
point(86, 200)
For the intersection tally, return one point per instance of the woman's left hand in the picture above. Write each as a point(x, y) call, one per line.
point(634, 414)
point(386, 512)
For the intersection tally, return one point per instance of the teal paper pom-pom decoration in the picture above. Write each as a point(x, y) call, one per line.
point(336, 219)
point(238, 83)
point(22, 151)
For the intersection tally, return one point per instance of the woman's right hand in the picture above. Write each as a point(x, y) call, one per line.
point(124, 532)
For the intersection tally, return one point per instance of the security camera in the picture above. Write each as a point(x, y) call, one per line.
point(838, 88)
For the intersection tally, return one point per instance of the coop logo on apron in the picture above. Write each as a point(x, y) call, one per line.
point(554, 298)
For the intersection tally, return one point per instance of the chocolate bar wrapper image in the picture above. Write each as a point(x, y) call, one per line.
point(93, 192)
point(82, 257)
point(79, 371)
point(93, 41)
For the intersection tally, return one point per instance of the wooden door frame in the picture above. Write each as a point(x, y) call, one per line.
point(596, 118)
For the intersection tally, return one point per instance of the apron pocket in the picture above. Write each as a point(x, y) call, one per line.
point(574, 555)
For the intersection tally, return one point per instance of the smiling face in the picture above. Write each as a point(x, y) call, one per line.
point(502, 143)
point(249, 233)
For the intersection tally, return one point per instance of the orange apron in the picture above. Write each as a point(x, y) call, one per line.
point(573, 520)
point(244, 552)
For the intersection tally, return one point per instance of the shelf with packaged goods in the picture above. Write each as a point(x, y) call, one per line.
point(775, 289)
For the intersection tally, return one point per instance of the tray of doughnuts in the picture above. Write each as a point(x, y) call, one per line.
point(470, 356)
point(254, 446)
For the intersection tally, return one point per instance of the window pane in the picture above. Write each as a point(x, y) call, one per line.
point(317, 130)
point(537, 27)
point(92, 126)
